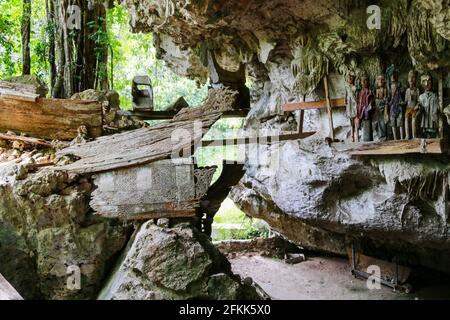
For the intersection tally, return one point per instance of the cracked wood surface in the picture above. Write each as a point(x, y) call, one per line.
point(141, 146)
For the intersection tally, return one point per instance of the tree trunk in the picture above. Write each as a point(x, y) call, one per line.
point(79, 60)
point(26, 29)
point(51, 48)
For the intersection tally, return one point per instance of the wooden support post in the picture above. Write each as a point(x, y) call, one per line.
point(330, 111)
point(301, 119)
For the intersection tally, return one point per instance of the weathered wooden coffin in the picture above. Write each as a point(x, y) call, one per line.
point(50, 118)
point(166, 188)
point(138, 147)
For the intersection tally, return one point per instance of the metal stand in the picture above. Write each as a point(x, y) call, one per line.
point(394, 283)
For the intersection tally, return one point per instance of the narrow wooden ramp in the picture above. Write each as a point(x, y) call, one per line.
point(7, 291)
point(392, 147)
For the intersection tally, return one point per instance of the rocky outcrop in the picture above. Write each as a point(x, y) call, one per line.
point(174, 263)
point(46, 228)
point(319, 198)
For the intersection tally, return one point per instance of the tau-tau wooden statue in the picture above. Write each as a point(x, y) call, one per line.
point(396, 111)
point(412, 105)
point(381, 99)
point(429, 107)
point(351, 104)
point(364, 110)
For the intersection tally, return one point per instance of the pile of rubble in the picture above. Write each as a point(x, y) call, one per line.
point(112, 122)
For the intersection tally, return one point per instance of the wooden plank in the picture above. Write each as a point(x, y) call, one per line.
point(166, 115)
point(7, 291)
point(25, 139)
point(256, 139)
point(163, 189)
point(391, 147)
point(322, 104)
point(329, 108)
point(50, 118)
point(141, 146)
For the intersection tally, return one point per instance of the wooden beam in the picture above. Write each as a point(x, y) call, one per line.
point(391, 147)
point(25, 139)
point(52, 119)
point(322, 104)
point(166, 115)
point(256, 139)
point(329, 108)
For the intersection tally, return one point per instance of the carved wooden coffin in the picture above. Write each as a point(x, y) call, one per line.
point(162, 189)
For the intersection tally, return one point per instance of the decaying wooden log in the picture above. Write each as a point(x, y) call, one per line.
point(133, 148)
point(18, 91)
point(52, 119)
point(163, 189)
point(27, 140)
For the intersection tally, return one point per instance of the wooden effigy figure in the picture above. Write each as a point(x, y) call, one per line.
point(381, 100)
point(429, 108)
point(412, 105)
point(351, 105)
point(396, 110)
point(365, 110)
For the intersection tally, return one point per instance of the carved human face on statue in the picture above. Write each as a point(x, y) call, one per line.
point(351, 79)
point(381, 81)
point(365, 82)
point(394, 87)
point(427, 82)
point(412, 79)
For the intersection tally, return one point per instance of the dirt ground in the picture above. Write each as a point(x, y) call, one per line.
point(327, 278)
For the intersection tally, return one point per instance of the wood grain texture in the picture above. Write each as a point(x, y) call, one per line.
point(50, 118)
point(163, 189)
point(27, 140)
point(424, 146)
point(322, 104)
point(137, 147)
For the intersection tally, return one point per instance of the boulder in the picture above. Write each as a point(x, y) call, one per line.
point(46, 228)
point(173, 263)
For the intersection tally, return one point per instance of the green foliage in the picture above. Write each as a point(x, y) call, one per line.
point(134, 54)
point(232, 223)
point(10, 39)
point(10, 46)
point(101, 39)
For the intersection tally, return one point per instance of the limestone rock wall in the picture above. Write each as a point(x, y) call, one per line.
point(317, 198)
point(171, 264)
point(46, 227)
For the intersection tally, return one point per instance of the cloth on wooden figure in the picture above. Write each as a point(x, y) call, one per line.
point(396, 110)
point(365, 110)
point(351, 104)
point(412, 105)
point(381, 100)
point(429, 106)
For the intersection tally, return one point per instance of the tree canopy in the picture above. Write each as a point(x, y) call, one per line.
point(129, 54)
